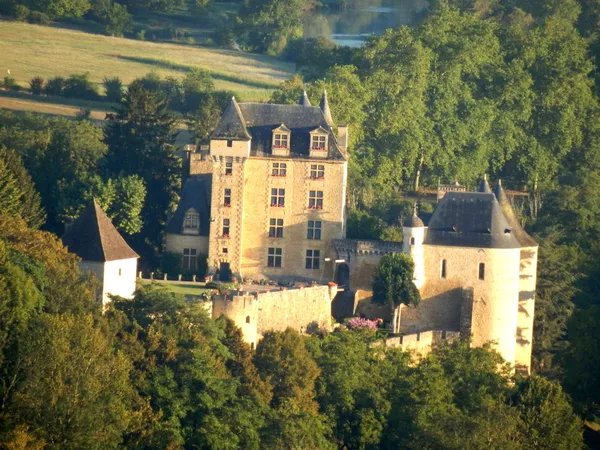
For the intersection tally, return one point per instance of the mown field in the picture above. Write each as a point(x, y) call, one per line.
point(28, 50)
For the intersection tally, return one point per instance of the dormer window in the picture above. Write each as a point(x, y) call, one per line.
point(191, 220)
point(318, 143)
point(281, 141)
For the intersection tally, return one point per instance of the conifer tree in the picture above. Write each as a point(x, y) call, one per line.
point(140, 137)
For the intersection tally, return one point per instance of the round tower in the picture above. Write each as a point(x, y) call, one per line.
point(413, 232)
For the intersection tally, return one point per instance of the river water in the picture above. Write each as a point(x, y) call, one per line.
point(362, 18)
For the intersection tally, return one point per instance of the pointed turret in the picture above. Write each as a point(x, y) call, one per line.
point(232, 124)
point(324, 105)
point(413, 234)
point(413, 221)
point(516, 229)
point(93, 237)
point(484, 186)
point(304, 101)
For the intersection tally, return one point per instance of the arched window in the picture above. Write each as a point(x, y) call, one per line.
point(412, 241)
point(247, 319)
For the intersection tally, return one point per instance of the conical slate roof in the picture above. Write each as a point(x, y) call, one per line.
point(232, 125)
point(304, 101)
point(517, 230)
point(93, 237)
point(484, 187)
point(324, 105)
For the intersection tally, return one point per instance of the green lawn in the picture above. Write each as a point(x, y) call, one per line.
point(32, 50)
point(189, 290)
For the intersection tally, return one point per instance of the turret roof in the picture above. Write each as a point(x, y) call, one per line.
point(476, 219)
point(304, 101)
point(93, 237)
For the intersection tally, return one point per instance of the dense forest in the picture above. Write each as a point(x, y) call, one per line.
point(504, 88)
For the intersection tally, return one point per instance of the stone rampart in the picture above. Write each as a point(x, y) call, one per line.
point(298, 309)
point(421, 343)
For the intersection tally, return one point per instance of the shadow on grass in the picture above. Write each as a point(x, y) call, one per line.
point(56, 100)
point(171, 65)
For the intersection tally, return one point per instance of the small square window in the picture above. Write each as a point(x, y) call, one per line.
point(313, 259)
point(279, 170)
point(280, 140)
point(227, 198)
point(318, 142)
point(229, 143)
point(317, 171)
point(314, 230)
point(276, 228)
point(277, 197)
point(315, 200)
point(225, 250)
point(225, 228)
point(274, 257)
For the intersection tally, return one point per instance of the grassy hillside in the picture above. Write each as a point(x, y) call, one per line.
point(29, 50)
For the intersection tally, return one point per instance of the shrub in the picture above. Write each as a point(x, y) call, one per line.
point(113, 88)
point(359, 322)
point(80, 86)
point(10, 83)
point(39, 18)
point(21, 13)
point(55, 86)
point(36, 85)
point(83, 114)
point(141, 35)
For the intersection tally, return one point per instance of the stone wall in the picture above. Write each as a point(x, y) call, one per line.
point(527, 286)
point(177, 242)
point(421, 343)
point(298, 309)
point(362, 258)
point(115, 277)
point(495, 298)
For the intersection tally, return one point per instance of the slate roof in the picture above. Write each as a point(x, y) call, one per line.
point(413, 222)
point(257, 121)
point(195, 194)
point(476, 219)
point(93, 237)
point(304, 101)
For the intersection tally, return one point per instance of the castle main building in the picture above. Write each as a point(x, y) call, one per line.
point(269, 197)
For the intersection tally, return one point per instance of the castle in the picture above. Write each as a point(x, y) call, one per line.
point(475, 268)
point(269, 197)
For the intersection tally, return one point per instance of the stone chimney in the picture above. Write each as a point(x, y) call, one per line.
point(343, 138)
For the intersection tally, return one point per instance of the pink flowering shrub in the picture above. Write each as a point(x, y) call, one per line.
point(359, 322)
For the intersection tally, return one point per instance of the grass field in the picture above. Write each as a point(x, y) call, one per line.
point(29, 50)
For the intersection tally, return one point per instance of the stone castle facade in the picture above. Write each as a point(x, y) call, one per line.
point(268, 197)
point(267, 200)
point(475, 268)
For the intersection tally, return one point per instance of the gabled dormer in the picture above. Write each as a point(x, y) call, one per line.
point(319, 143)
point(191, 222)
point(280, 145)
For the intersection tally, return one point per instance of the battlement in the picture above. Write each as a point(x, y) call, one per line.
point(366, 246)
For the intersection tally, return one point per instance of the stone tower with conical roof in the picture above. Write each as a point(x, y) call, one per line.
point(103, 252)
point(413, 232)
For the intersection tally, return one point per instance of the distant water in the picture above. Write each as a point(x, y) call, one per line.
point(362, 18)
